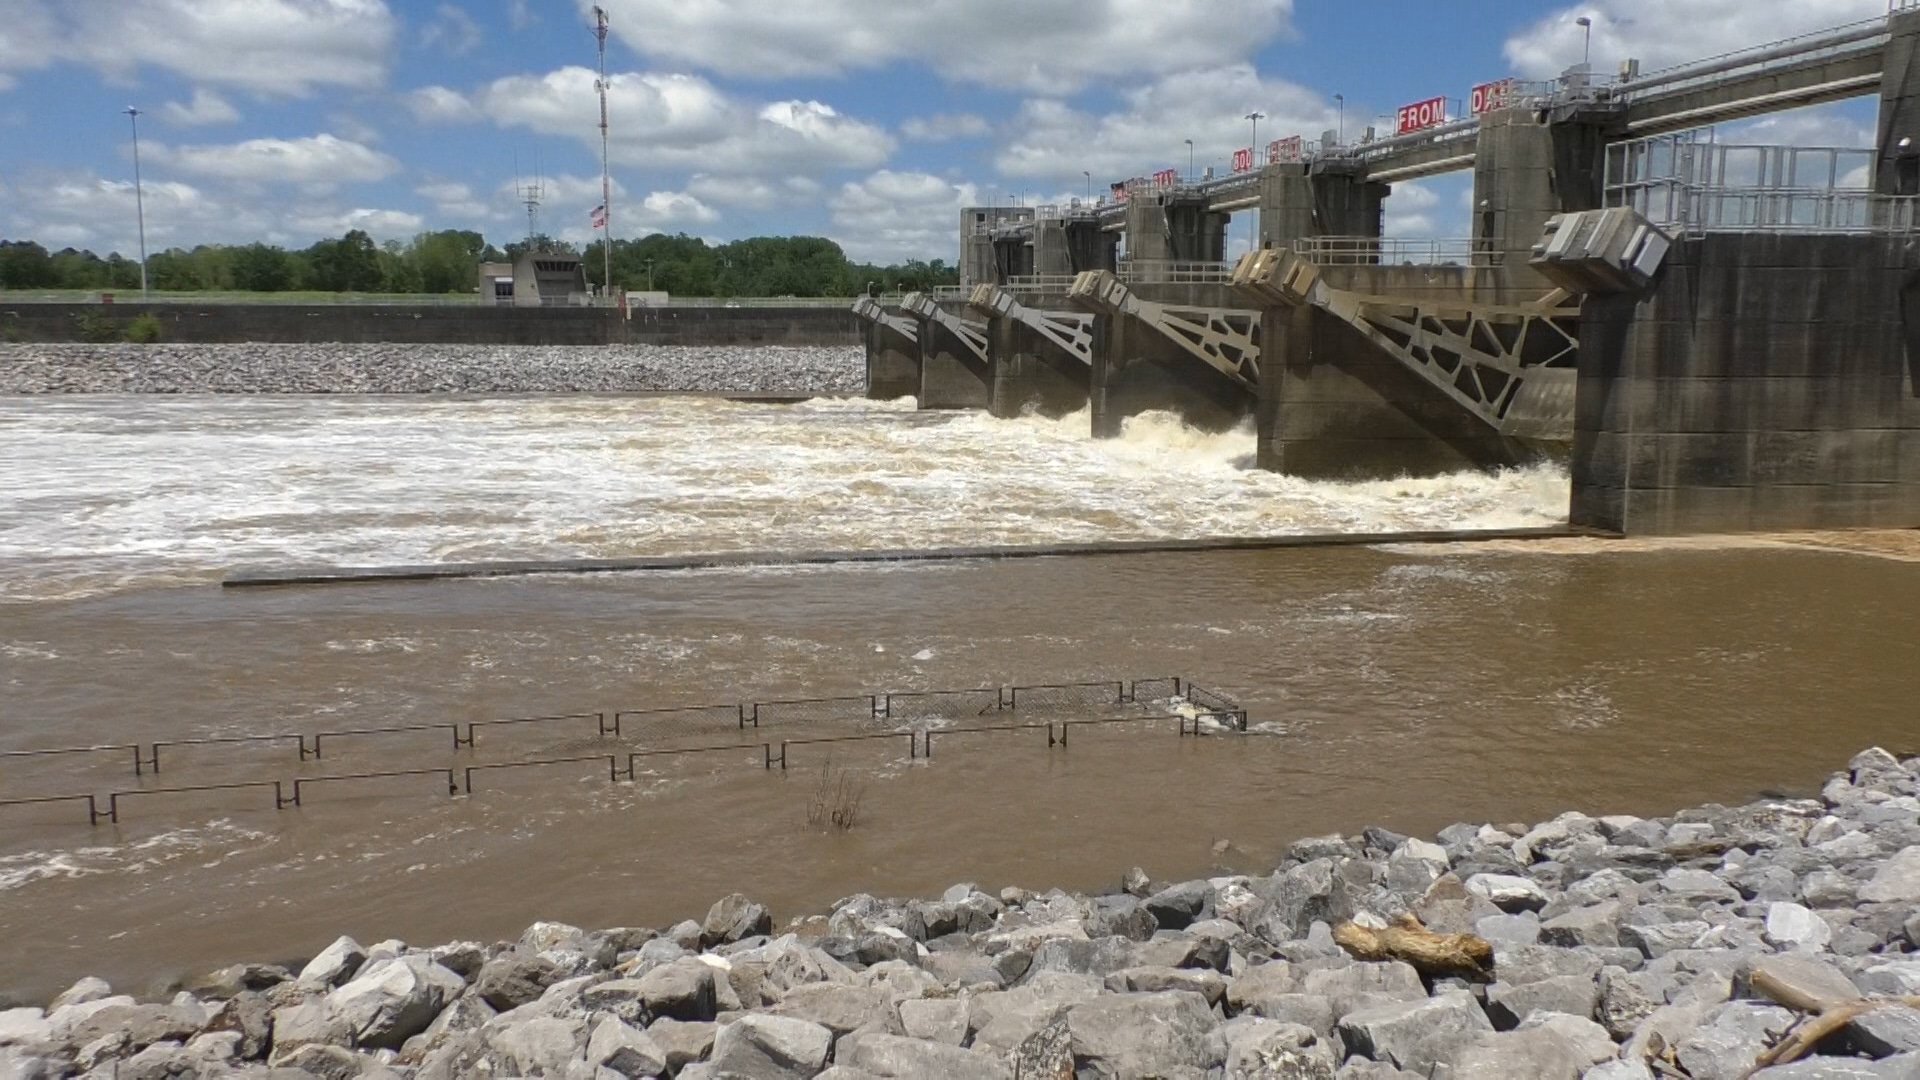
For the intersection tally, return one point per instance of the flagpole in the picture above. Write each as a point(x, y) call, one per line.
point(606, 183)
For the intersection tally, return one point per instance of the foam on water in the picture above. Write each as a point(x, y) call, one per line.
point(108, 493)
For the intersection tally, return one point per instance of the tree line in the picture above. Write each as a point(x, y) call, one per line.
point(447, 262)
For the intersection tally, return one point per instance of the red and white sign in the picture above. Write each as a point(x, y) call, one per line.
point(1490, 96)
point(1422, 115)
point(1119, 191)
point(1166, 178)
point(1289, 149)
point(1243, 160)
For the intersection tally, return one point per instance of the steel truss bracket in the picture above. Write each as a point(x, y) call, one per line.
point(1225, 339)
point(1513, 366)
point(1072, 331)
point(869, 309)
point(973, 336)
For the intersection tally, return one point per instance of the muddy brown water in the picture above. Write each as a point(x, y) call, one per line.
point(1410, 688)
point(1405, 688)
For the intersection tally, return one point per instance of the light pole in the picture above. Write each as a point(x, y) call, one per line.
point(1189, 161)
point(1586, 50)
point(1089, 175)
point(139, 199)
point(1340, 100)
point(1256, 117)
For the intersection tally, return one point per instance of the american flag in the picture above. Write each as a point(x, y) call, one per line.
point(598, 217)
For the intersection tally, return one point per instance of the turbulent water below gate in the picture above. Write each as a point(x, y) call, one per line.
point(1406, 687)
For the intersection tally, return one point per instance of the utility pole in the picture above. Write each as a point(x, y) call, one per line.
point(1586, 49)
point(1089, 175)
point(1189, 161)
point(139, 199)
point(606, 181)
point(1341, 101)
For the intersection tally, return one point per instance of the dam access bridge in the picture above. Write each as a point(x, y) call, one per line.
point(1717, 337)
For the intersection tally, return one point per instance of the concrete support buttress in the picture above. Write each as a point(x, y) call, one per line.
point(1525, 170)
point(1175, 227)
point(1897, 170)
point(1297, 203)
point(954, 372)
point(893, 352)
point(1179, 348)
point(1041, 360)
point(1089, 246)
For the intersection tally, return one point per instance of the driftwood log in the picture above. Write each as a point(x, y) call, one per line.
point(1824, 1016)
point(1409, 941)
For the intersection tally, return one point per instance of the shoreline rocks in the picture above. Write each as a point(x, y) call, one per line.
point(429, 369)
point(1623, 949)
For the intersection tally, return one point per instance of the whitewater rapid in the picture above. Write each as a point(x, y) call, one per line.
point(104, 492)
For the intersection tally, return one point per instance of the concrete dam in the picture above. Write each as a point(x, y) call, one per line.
point(1715, 337)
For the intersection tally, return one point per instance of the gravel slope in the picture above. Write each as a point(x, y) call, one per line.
point(424, 369)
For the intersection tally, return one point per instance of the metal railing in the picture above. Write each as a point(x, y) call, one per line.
point(1039, 283)
point(1688, 183)
point(1379, 251)
point(1167, 272)
point(914, 715)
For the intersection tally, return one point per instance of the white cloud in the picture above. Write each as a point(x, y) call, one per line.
point(7, 82)
point(88, 211)
point(670, 122)
point(892, 216)
point(30, 42)
point(206, 108)
point(316, 159)
point(754, 192)
point(1049, 46)
point(661, 209)
point(1052, 140)
point(278, 47)
point(1822, 125)
point(1661, 33)
point(453, 201)
point(452, 30)
point(438, 104)
point(520, 14)
point(941, 127)
point(1409, 210)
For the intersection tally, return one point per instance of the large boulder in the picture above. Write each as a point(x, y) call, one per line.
point(1002, 1020)
point(683, 990)
point(894, 1058)
point(386, 1003)
point(537, 1046)
point(1897, 881)
point(841, 1009)
point(757, 1047)
point(1143, 1035)
point(1280, 1051)
point(514, 978)
point(625, 1049)
point(732, 918)
point(335, 964)
point(1416, 1035)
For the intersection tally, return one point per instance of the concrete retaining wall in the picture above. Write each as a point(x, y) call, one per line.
point(438, 324)
point(1767, 383)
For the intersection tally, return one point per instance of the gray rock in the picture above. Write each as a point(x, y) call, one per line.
point(1508, 1005)
point(1619, 1070)
point(325, 1062)
point(756, 1047)
point(838, 1008)
point(1596, 925)
point(85, 990)
point(311, 1022)
point(1523, 964)
point(1147, 980)
point(1356, 986)
point(732, 918)
point(1532, 1054)
point(1047, 1054)
point(1120, 916)
point(1897, 881)
point(1804, 974)
point(1886, 1031)
point(335, 964)
point(1694, 887)
point(1504, 929)
point(1508, 892)
point(1824, 1068)
point(540, 1046)
point(1281, 1052)
point(1732, 1039)
point(1178, 906)
point(896, 1058)
point(683, 1042)
point(682, 990)
point(1143, 1035)
point(1790, 926)
point(1892, 977)
point(1657, 940)
point(625, 1049)
point(514, 978)
point(941, 1020)
point(238, 979)
point(1416, 1035)
point(388, 1002)
point(1589, 1040)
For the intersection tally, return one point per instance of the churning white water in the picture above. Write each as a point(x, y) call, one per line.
point(99, 493)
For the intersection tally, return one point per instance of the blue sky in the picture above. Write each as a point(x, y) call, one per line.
point(869, 121)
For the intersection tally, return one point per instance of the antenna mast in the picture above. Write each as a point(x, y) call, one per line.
point(606, 183)
point(530, 195)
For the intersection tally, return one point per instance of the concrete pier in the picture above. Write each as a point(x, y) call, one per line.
point(1767, 382)
point(1137, 367)
point(893, 351)
point(954, 371)
point(1041, 360)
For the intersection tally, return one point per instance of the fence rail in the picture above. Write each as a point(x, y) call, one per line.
point(1159, 272)
point(1379, 251)
point(916, 715)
